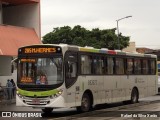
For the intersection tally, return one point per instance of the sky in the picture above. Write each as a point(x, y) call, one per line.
point(143, 27)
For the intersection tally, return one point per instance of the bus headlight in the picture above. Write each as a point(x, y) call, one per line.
point(60, 92)
point(21, 96)
point(57, 94)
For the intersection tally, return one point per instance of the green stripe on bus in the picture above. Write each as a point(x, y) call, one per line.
point(37, 94)
point(90, 50)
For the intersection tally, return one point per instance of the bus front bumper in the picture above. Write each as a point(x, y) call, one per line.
point(40, 102)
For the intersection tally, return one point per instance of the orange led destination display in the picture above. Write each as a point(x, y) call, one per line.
point(28, 60)
point(26, 80)
point(40, 50)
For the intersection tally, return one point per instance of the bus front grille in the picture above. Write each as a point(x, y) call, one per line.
point(36, 101)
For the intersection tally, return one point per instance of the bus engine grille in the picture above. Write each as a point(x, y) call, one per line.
point(36, 101)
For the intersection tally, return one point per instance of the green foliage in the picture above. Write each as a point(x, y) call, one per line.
point(82, 37)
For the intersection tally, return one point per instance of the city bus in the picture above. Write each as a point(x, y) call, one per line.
point(54, 76)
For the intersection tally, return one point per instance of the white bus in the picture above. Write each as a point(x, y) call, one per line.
point(56, 76)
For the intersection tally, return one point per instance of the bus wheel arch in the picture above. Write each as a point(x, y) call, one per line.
point(90, 95)
point(86, 102)
point(134, 95)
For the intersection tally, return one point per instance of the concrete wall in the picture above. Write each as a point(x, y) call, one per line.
point(1, 21)
point(27, 15)
point(5, 65)
point(3, 79)
point(5, 70)
point(130, 48)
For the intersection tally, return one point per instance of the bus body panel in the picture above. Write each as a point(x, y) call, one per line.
point(113, 89)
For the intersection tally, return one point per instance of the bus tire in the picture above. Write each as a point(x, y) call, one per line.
point(47, 110)
point(134, 96)
point(85, 103)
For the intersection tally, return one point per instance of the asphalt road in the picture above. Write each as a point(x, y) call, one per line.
point(148, 105)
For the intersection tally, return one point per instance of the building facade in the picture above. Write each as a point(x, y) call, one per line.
point(19, 26)
point(130, 48)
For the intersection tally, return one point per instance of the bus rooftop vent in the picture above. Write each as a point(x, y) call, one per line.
point(89, 47)
point(118, 50)
point(104, 48)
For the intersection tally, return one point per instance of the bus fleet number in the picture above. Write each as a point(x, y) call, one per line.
point(92, 82)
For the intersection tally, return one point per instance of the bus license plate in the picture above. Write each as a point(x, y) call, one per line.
point(35, 101)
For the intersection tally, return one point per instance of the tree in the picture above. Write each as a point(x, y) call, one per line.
point(82, 37)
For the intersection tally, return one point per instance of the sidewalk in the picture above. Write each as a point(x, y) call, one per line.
point(151, 98)
point(7, 102)
point(7, 97)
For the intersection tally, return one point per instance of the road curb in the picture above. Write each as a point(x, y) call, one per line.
point(7, 102)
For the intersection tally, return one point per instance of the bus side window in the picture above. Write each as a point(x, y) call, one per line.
point(71, 69)
point(110, 65)
point(129, 66)
point(86, 64)
point(152, 67)
point(98, 65)
point(137, 66)
point(119, 66)
point(159, 68)
point(145, 69)
point(105, 66)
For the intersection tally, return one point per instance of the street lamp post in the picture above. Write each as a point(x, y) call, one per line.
point(118, 29)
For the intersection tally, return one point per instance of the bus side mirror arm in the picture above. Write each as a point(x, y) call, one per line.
point(12, 68)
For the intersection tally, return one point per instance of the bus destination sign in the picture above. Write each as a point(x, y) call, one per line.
point(39, 50)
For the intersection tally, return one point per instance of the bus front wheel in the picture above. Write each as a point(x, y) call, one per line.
point(85, 103)
point(134, 96)
point(47, 110)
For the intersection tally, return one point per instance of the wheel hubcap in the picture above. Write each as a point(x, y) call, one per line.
point(85, 103)
point(134, 98)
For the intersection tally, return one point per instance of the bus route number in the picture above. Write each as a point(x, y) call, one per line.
point(92, 82)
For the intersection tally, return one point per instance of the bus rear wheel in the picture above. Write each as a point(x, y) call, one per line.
point(85, 103)
point(134, 96)
point(47, 110)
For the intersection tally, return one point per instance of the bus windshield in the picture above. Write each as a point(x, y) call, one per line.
point(40, 71)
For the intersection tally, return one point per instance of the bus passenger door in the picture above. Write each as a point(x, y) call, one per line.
point(71, 77)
